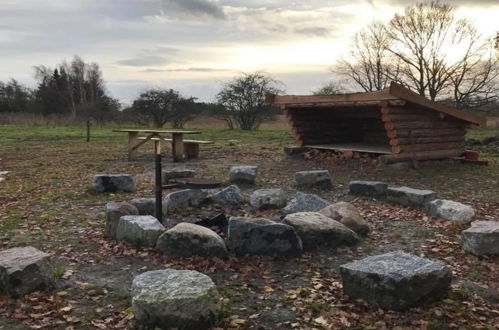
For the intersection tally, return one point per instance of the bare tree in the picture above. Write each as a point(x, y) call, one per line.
point(370, 64)
point(436, 50)
point(331, 88)
point(243, 99)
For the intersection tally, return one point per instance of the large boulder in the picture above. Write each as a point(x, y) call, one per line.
point(146, 206)
point(188, 240)
point(113, 183)
point(183, 198)
point(139, 230)
point(114, 211)
point(305, 203)
point(259, 236)
point(396, 280)
point(348, 215)
point(315, 178)
point(316, 229)
point(24, 270)
point(176, 173)
point(243, 174)
point(409, 196)
point(230, 195)
point(375, 189)
point(170, 298)
point(450, 210)
point(482, 238)
point(263, 199)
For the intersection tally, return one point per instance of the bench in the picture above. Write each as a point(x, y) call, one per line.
point(191, 147)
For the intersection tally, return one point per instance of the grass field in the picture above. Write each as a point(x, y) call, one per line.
point(45, 201)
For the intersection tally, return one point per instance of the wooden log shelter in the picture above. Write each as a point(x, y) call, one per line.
point(395, 123)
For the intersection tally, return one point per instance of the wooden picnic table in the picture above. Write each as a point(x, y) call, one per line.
point(177, 141)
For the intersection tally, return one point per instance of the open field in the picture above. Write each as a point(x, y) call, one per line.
point(46, 202)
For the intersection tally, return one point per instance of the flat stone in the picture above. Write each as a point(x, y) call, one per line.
point(139, 230)
point(305, 203)
point(243, 174)
point(188, 240)
point(113, 183)
point(395, 166)
point(263, 199)
point(396, 280)
point(170, 298)
point(145, 206)
point(348, 215)
point(450, 210)
point(183, 198)
point(316, 230)
point(315, 178)
point(24, 270)
point(482, 238)
point(409, 196)
point(230, 195)
point(114, 211)
point(176, 173)
point(259, 236)
point(367, 188)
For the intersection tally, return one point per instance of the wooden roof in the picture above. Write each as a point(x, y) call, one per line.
point(396, 94)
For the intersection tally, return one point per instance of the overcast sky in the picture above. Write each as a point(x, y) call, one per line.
point(195, 45)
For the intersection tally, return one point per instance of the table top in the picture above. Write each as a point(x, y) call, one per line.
point(133, 130)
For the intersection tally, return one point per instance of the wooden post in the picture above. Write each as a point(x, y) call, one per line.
point(88, 130)
point(158, 185)
point(177, 146)
point(133, 139)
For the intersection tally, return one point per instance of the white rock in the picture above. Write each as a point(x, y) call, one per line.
point(183, 198)
point(243, 174)
point(139, 230)
point(263, 199)
point(172, 298)
point(450, 210)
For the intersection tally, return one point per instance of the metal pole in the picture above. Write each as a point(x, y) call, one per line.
point(158, 211)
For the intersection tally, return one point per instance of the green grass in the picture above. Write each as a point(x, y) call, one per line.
point(482, 133)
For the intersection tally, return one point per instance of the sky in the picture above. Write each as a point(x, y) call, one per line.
point(195, 46)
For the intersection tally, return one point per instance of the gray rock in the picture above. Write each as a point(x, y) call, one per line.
point(263, 199)
point(139, 230)
point(243, 174)
point(188, 240)
point(170, 298)
point(450, 210)
point(316, 230)
point(114, 211)
point(113, 183)
point(144, 205)
point(348, 215)
point(367, 188)
point(259, 236)
point(176, 173)
point(24, 270)
point(305, 203)
point(482, 238)
point(396, 280)
point(410, 196)
point(395, 166)
point(316, 178)
point(230, 195)
point(183, 198)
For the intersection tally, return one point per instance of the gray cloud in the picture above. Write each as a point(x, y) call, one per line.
point(193, 8)
point(187, 70)
point(144, 60)
point(317, 31)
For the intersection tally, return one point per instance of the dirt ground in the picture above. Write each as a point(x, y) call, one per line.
point(46, 202)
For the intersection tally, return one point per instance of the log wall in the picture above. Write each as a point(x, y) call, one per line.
point(421, 134)
point(412, 132)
